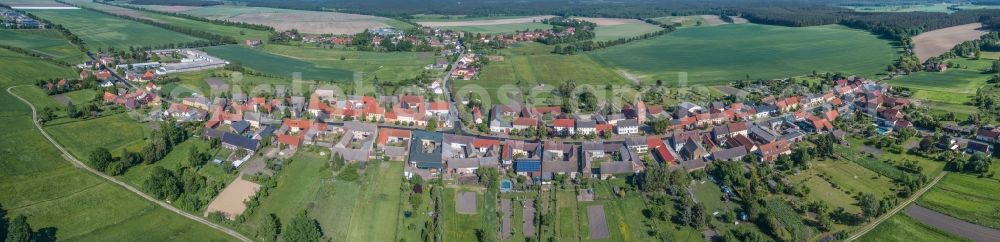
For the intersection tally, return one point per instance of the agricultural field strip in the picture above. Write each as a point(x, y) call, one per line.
point(913, 197)
point(78, 163)
point(522, 20)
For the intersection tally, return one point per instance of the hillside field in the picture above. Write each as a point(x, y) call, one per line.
point(625, 30)
point(948, 91)
point(47, 42)
point(718, 54)
point(100, 30)
point(316, 22)
point(62, 199)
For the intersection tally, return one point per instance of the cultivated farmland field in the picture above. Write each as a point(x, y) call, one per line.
point(58, 197)
point(100, 30)
point(718, 54)
point(483, 21)
point(315, 22)
point(936, 42)
point(902, 228)
point(391, 66)
point(48, 42)
point(624, 30)
point(237, 33)
point(925, 7)
point(967, 198)
point(277, 65)
point(499, 28)
point(947, 91)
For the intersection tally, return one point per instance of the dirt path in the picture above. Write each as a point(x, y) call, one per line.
point(936, 42)
point(629, 76)
point(80, 164)
point(955, 226)
point(864, 229)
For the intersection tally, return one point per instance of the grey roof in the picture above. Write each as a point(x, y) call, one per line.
point(429, 157)
point(730, 154)
point(213, 133)
point(360, 127)
point(635, 141)
point(588, 123)
point(593, 146)
point(628, 123)
point(239, 141)
point(459, 139)
point(617, 167)
point(762, 134)
point(240, 126)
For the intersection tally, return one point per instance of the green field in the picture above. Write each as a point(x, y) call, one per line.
point(821, 190)
point(366, 209)
point(902, 228)
point(967, 198)
point(100, 30)
point(48, 42)
point(720, 54)
point(112, 132)
point(239, 34)
point(461, 227)
point(38, 183)
point(852, 178)
point(324, 64)
point(612, 32)
point(948, 91)
point(387, 66)
point(276, 64)
point(685, 21)
point(530, 66)
point(499, 28)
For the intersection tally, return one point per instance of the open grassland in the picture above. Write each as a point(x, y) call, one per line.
point(173, 161)
point(718, 54)
point(936, 42)
point(852, 178)
point(499, 28)
point(112, 132)
point(315, 22)
point(100, 30)
point(966, 197)
point(38, 183)
point(376, 212)
point(237, 33)
point(947, 91)
point(821, 190)
point(48, 42)
point(626, 220)
point(567, 223)
point(902, 228)
point(685, 21)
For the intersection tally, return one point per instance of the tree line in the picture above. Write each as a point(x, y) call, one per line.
point(162, 141)
point(583, 46)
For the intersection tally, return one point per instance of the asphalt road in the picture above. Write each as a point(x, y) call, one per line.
point(952, 225)
point(78, 163)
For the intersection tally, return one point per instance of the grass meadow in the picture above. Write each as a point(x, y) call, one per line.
point(966, 197)
point(113, 132)
point(364, 210)
point(47, 42)
point(720, 54)
point(37, 182)
point(277, 65)
point(902, 228)
point(461, 227)
point(99, 30)
point(948, 91)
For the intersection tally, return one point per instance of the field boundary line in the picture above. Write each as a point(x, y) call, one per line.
point(78, 163)
point(870, 226)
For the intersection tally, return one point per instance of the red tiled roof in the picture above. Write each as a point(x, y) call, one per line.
point(385, 133)
point(525, 121)
point(563, 123)
point(438, 106)
point(482, 143)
